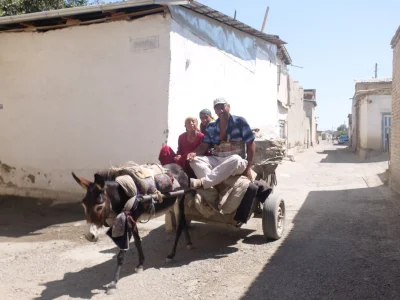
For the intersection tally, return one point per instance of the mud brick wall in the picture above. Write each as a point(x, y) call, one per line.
point(395, 133)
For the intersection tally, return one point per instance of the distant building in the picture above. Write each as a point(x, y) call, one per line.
point(296, 114)
point(371, 116)
point(309, 105)
point(283, 60)
point(350, 127)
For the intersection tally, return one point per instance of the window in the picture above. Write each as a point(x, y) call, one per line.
point(282, 134)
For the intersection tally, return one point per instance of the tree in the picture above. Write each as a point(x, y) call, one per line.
point(341, 130)
point(17, 7)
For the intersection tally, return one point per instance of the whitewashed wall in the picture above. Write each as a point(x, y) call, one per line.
point(309, 109)
point(379, 104)
point(200, 73)
point(283, 83)
point(296, 119)
point(364, 123)
point(354, 137)
point(80, 99)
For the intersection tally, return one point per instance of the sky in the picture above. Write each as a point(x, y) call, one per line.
point(335, 43)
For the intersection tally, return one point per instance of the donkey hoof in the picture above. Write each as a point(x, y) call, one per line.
point(189, 246)
point(111, 291)
point(139, 269)
point(111, 288)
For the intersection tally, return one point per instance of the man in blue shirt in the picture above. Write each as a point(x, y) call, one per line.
point(233, 146)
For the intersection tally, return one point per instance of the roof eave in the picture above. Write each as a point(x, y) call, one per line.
point(374, 80)
point(285, 55)
point(65, 12)
point(189, 4)
point(395, 38)
point(311, 101)
point(231, 22)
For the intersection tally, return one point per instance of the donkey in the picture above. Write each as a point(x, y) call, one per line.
point(104, 196)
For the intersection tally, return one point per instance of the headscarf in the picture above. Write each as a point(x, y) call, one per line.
point(205, 111)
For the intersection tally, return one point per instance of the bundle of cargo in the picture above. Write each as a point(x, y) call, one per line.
point(269, 153)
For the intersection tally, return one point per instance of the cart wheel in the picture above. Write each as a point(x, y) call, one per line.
point(273, 218)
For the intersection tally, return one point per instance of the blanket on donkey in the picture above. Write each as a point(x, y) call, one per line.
point(136, 180)
point(118, 230)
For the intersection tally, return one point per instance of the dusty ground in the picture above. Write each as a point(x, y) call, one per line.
point(341, 242)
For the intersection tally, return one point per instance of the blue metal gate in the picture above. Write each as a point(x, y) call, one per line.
point(386, 126)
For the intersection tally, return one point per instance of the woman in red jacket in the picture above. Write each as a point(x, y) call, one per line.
point(187, 143)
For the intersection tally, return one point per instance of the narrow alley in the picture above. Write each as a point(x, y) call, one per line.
point(341, 242)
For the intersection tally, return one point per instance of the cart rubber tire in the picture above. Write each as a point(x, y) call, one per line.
point(273, 217)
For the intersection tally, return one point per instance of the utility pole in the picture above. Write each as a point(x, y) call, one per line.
point(265, 19)
point(376, 70)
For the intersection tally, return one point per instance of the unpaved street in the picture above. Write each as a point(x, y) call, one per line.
point(341, 242)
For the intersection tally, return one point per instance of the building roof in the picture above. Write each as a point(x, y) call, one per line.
point(374, 80)
point(227, 20)
point(395, 38)
point(310, 95)
point(311, 101)
point(283, 54)
point(127, 10)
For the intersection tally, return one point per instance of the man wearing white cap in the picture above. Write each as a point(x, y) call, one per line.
point(233, 146)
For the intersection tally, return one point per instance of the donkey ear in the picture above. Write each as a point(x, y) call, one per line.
point(81, 181)
point(99, 181)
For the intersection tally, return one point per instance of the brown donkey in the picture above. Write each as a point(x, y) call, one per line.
point(105, 196)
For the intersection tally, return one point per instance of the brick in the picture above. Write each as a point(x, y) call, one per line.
point(394, 170)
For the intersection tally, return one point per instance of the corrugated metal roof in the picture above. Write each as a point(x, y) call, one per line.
point(374, 80)
point(227, 20)
point(284, 55)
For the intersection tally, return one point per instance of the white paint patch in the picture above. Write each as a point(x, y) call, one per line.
point(92, 232)
point(144, 43)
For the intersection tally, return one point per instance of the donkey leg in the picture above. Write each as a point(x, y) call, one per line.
point(181, 226)
point(120, 259)
point(138, 244)
point(189, 244)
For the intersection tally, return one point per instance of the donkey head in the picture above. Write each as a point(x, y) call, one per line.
point(95, 203)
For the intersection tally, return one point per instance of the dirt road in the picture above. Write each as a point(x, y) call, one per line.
point(341, 242)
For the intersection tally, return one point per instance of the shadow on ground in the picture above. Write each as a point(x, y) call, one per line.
point(21, 216)
point(343, 154)
point(344, 245)
point(209, 242)
point(384, 177)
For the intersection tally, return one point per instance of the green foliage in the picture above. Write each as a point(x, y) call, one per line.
point(342, 128)
point(17, 7)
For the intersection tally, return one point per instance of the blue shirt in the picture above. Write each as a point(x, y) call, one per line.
point(238, 130)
